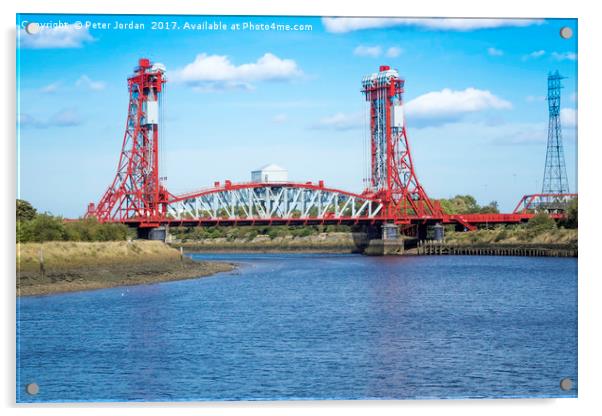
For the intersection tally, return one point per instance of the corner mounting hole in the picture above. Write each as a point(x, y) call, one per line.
point(566, 32)
point(32, 389)
point(32, 28)
point(566, 384)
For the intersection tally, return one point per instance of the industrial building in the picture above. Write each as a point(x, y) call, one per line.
point(269, 173)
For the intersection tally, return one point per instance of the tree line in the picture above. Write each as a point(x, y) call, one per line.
point(467, 204)
point(39, 227)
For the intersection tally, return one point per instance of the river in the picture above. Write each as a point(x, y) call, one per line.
point(311, 326)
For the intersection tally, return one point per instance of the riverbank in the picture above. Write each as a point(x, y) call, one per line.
point(517, 235)
point(57, 267)
point(435, 248)
point(499, 241)
point(334, 242)
point(558, 242)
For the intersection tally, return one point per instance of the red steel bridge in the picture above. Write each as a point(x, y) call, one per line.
point(394, 196)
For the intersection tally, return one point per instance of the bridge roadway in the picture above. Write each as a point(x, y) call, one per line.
point(295, 203)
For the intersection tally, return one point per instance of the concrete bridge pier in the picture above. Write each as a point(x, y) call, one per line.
point(153, 233)
point(389, 243)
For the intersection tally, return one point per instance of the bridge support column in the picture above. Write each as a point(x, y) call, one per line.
point(390, 243)
point(153, 233)
point(438, 232)
point(390, 232)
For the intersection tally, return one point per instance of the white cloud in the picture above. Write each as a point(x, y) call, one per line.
point(67, 117)
point(537, 132)
point(393, 52)
point(534, 55)
point(440, 107)
point(371, 51)
point(535, 98)
point(349, 24)
point(85, 82)
point(571, 56)
point(341, 121)
point(280, 118)
point(67, 36)
point(50, 88)
point(27, 120)
point(568, 117)
point(512, 134)
point(376, 51)
point(217, 72)
point(495, 52)
point(428, 110)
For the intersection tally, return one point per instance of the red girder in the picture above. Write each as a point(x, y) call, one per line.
point(468, 220)
point(137, 197)
point(228, 186)
point(529, 202)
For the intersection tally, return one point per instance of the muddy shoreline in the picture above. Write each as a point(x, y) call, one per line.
point(235, 248)
point(58, 267)
point(431, 248)
point(31, 283)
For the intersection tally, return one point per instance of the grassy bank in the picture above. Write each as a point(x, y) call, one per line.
point(333, 242)
point(54, 267)
point(516, 236)
point(519, 236)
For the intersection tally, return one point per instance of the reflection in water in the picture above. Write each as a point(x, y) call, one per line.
point(288, 326)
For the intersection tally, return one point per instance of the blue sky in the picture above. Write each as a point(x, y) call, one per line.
point(239, 99)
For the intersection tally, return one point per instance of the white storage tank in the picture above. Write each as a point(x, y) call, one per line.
point(269, 173)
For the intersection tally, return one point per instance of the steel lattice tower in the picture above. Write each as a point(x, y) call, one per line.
point(393, 178)
point(136, 191)
point(554, 179)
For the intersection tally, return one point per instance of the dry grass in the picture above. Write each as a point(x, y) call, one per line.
point(74, 266)
point(324, 242)
point(59, 255)
point(513, 236)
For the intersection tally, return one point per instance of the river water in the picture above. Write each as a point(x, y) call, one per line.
point(311, 326)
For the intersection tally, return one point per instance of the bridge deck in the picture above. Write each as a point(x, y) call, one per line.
point(294, 203)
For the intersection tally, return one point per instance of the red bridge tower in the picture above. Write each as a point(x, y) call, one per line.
point(393, 179)
point(136, 191)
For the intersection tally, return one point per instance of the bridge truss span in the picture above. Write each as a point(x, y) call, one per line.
point(272, 202)
point(393, 196)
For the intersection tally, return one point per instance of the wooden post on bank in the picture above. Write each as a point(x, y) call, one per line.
point(42, 268)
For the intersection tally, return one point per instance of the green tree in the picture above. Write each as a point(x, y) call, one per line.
point(491, 208)
point(25, 211)
point(24, 232)
point(467, 204)
point(541, 222)
point(571, 215)
point(45, 227)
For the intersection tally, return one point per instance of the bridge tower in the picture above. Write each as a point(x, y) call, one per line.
point(136, 190)
point(393, 178)
point(554, 179)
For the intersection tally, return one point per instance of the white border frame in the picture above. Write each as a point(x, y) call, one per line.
point(589, 152)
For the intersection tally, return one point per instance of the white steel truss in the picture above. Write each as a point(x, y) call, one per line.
point(273, 202)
